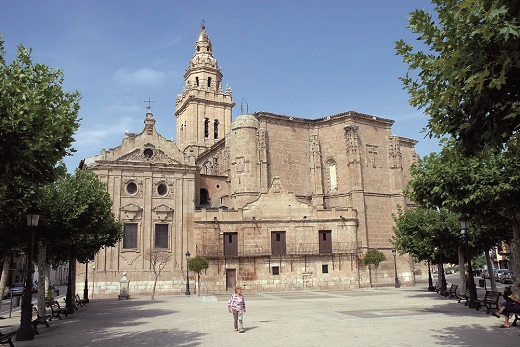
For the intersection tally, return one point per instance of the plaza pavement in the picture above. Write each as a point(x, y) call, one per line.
point(407, 316)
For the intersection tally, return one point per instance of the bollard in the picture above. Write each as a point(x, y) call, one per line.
point(123, 288)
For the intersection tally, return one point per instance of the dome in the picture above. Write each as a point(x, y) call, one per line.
point(245, 121)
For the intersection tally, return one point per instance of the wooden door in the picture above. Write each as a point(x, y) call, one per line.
point(278, 246)
point(325, 241)
point(230, 244)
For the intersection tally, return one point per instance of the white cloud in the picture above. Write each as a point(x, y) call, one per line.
point(105, 135)
point(141, 77)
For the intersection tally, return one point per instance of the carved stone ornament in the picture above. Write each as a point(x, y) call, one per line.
point(163, 212)
point(162, 181)
point(131, 211)
point(125, 187)
point(137, 155)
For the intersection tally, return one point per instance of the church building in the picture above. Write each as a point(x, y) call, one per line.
point(272, 202)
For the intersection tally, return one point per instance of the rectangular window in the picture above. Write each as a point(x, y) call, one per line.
point(161, 235)
point(278, 245)
point(130, 236)
point(325, 237)
point(276, 270)
point(325, 269)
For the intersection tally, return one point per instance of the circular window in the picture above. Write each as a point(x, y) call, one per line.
point(162, 189)
point(131, 188)
point(148, 153)
point(218, 185)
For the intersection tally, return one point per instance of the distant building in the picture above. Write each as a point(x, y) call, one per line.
point(273, 202)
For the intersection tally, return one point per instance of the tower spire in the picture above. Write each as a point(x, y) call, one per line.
point(203, 111)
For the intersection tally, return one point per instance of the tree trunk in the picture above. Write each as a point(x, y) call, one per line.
point(490, 271)
point(516, 253)
point(154, 286)
point(462, 272)
point(42, 269)
point(5, 274)
point(198, 283)
point(375, 280)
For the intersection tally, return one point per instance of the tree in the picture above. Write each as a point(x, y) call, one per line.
point(158, 260)
point(198, 264)
point(37, 122)
point(374, 257)
point(430, 234)
point(467, 79)
point(485, 186)
point(77, 220)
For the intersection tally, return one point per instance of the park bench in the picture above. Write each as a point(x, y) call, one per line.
point(56, 310)
point(452, 292)
point(80, 301)
point(5, 339)
point(39, 320)
point(464, 296)
point(76, 302)
point(438, 289)
point(490, 301)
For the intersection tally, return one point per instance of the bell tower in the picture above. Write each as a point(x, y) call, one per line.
point(203, 110)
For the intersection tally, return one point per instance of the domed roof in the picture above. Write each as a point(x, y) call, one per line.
point(245, 121)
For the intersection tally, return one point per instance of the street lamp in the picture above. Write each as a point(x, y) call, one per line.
point(187, 274)
point(431, 288)
point(394, 253)
point(464, 224)
point(85, 290)
point(26, 332)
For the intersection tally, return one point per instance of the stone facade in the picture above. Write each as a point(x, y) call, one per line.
point(273, 202)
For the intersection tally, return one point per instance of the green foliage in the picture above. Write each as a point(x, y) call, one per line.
point(374, 257)
point(425, 232)
point(467, 78)
point(479, 261)
point(37, 122)
point(484, 186)
point(77, 217)
point(198, 264)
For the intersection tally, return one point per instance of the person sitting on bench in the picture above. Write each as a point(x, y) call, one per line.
point(507, 308)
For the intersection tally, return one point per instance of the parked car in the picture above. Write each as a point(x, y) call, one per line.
point(16, 289)
point(499, 273)
point(507, 277)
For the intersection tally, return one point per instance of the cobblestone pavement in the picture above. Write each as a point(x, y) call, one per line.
point(409, 316)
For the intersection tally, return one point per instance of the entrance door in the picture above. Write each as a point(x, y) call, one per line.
point(231, 278)
point(325, 241)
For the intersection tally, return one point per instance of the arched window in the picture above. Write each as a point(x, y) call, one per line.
point(215, 129)
point(197, 81)
point(209, 82)
point(332, 175)
point(204, 196)
point(206, 127)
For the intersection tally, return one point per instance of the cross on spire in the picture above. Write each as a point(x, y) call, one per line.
point(203, 24)
point(150, 102)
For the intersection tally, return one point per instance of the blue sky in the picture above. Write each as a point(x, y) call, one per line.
point(306, 59)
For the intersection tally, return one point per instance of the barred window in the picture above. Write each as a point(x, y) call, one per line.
point(161, 235)
point(130, 236)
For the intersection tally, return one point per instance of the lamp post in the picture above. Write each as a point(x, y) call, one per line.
point(26, 332)
point(464, 224)
point(85, 290)
point(187, 274)
point(431, 288)
point(394, 253)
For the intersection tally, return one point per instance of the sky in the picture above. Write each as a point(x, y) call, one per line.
point(307, 59)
